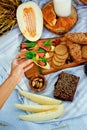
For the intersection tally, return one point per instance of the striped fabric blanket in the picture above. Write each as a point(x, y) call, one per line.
point(9, 48)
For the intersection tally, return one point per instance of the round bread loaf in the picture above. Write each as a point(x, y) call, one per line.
point(58, 25)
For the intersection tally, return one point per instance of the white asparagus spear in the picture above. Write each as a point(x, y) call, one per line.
point(44, 100)
point(44, 116)
point(35, 108)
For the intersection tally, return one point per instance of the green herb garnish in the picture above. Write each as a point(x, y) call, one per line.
point(43, 60)
point(30, 44)
point(47, 42)
point(41, 50)
point(30, 55)
point(40, 70)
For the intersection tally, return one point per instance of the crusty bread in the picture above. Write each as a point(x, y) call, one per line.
point(58, 25)
point(75, 51)
point(65, 86)
point(79, 38)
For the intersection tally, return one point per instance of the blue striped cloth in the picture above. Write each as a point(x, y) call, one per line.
point(9, 47)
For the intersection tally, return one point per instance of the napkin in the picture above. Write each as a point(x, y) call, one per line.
point(9, 48)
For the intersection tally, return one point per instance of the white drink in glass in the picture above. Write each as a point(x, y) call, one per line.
point(62, 7)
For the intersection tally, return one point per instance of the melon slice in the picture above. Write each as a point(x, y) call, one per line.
point(30, 20)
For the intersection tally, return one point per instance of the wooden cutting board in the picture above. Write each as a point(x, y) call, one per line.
point(38, 70)
point(35, 69)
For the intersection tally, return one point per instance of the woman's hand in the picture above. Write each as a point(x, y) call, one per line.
point(18, 68)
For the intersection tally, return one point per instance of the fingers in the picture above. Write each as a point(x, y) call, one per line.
point(28, 67)
point(15, 61)
point(25, 63)
point(22, 63)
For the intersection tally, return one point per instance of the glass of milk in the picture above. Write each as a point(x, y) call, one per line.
point(62, 7)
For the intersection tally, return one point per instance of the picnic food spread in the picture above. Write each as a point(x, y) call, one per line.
point(49, 55)
point(68, 51)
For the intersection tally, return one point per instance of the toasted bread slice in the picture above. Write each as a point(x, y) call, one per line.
point(49, 15)
point(79, 38)
point(75, 51)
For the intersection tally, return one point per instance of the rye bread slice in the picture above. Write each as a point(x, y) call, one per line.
point(65, 86)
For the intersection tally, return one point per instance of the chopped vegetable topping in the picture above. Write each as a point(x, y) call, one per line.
point(40, 70)
point(23, 45)
point(42, 61)
point(30, 55)
point(41, 50)
point(40, 42)
point(30, 44)
point(47, 43)
point(40, 54)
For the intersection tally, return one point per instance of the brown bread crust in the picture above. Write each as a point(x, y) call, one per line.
point(65, 86)
point(58, 25)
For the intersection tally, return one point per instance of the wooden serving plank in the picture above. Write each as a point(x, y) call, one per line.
point(37, 70)
point(33, 71)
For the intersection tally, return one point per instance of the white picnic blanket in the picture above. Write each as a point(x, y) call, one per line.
point(9, 47)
